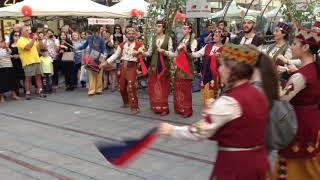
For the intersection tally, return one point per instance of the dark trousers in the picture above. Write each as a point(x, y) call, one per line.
point(55, 77)
point(67, 70)
point(47, 83)
point(75, 71)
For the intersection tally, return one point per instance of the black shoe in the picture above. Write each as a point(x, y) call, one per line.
point(41, 94)
point(28, 97)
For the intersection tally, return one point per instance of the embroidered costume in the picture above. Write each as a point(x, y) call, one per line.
point(301, 159)
point(159, 74)
point(209, 81)
point(128, 72)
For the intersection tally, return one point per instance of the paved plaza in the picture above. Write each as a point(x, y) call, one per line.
point(53, 138)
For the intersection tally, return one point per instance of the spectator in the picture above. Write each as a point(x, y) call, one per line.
point(30, 60)
point(67, 66)
point(210, 27)
point(47, 69)
point(117, 36)
point(7, 77)
point(96, 46)
point(52, 44)
point(110, 71)
point(77, 58)
point(16, 61)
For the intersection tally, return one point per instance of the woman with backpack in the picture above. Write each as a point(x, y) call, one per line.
point(301, 158)
point(237, 120)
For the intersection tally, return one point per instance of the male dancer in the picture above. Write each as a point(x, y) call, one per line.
point(128, 52)
point(249, 36)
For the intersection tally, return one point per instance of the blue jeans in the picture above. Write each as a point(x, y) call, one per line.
point(47, 83)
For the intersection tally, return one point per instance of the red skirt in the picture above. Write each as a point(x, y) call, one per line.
point(159, 90)
point(242, 165)
point(183, 97)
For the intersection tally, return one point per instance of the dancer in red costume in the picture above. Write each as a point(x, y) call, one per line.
point(129, 52)
point(301, 159)
point(210, 76)
point(159, 71)
point(237, 120)
point(184, 73)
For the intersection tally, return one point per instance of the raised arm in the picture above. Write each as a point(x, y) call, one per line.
point(295, 84)
point(219, 113)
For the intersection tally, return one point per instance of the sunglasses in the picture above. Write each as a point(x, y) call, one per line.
point(16, 35)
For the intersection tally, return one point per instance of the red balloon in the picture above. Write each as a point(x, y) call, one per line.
point(180, 16)
point(134, 13)
point(26, 11)
point(141, 13)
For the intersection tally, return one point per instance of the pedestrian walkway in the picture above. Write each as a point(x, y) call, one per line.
point(53, 138)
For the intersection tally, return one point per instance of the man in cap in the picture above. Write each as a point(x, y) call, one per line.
point(128, 52)
point(249, 36)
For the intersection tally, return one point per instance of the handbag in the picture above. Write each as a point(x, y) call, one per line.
point(91, 65)
point(282, 126)
point(68, 56)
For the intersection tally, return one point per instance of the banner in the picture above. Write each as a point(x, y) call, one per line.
point(99, 21)
point(198, 9)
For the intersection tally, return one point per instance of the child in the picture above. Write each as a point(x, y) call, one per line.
point(47, 70)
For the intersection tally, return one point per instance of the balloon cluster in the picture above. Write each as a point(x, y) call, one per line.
point(180, 16)
point(136, 13)
point(26, 11)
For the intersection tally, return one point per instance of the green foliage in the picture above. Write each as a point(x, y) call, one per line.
point(165, 9)
point(298, 13)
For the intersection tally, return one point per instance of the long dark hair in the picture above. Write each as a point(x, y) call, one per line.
point(314, 50)
point(241, 70)
point(115, 27)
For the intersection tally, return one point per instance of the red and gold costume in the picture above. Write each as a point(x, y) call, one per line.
point(183, 81)
point(128, 72)
point(237, 121)
point(301, 159)
point(159, 74)
point(210, 75)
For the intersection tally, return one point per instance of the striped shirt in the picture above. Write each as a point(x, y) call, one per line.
point(5, 59)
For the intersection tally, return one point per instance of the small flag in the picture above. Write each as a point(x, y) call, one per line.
point(161, 67)
point(143, 66)
point(182, 62)
point(121, 154)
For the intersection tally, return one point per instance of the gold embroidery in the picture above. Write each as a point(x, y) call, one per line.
point(310, 149)
point(295, 148)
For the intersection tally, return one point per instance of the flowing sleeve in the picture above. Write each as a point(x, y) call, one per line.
point(223, 110)
point(115, 55)
point(295, 84)
point(199, 53)
point(150, 48)
point(194, 45)
point(170, 52)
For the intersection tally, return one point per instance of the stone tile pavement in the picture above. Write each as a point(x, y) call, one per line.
point(53, 138)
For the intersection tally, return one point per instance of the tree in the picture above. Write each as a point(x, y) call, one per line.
point(299, 12)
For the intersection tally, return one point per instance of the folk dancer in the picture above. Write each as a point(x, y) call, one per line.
point(184, 72)
point(248, 36)
point(129, 52)
point(301, 159)
point(210, 75)
point(237, 120)
point(159, 70)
